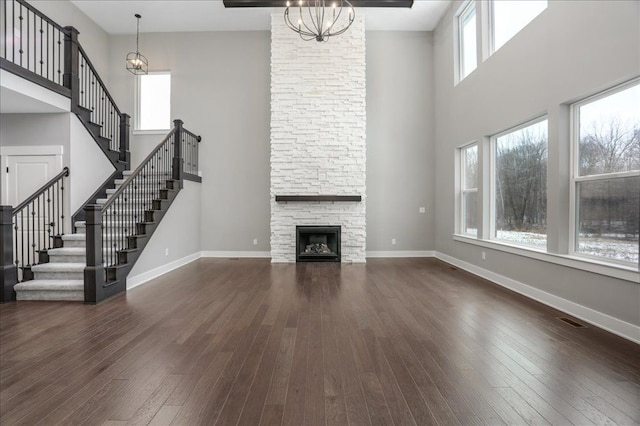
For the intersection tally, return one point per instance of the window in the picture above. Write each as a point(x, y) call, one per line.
point(154, 101)
point(510, 16)
point(520, 185)
point(467, 45)
point(469, 192)
point(606, 175)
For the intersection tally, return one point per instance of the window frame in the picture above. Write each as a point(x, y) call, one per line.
point(492, 183)
point(576, 179)
point(463, 190)
point(136, 122)
point(491, 26)
point(463, 11)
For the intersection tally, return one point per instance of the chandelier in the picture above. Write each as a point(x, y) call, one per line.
point(136, 62)
point(318, 21)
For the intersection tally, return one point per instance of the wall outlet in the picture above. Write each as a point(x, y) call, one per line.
point(255, 241)
point(484, 256)
point(422, 210)
point(166, 252)
point(393, 241)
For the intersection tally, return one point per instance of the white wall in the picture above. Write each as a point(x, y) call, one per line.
point(179, 232)
point(400, 144)
point(88, 165)
point(572, 50)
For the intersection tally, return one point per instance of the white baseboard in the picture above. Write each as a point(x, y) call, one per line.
point(599, 319)
point(400, 253)
point(161, 270)
point(239, 254)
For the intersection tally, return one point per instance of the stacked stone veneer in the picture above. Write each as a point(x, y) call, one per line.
point(318, 135)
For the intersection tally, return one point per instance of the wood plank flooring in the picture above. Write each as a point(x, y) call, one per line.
point(392, 342)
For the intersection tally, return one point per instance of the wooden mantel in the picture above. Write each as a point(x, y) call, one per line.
point(286, 198)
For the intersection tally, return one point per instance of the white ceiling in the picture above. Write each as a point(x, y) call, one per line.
point(116, 17)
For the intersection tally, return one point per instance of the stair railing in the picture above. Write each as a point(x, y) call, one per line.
point(94, 96)
point(38, 49)
point(31, 228)
point(112, 228)
point(134, 200)
point(33, 43)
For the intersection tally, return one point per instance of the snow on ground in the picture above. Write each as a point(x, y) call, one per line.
point(607, 246)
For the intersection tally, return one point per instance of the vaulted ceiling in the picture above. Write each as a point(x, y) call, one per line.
point(116, 17)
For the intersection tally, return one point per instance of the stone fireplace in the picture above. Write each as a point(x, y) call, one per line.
point(318, 138)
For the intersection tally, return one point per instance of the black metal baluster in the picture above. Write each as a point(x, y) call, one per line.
point(49, 45)
point(62, 203)
point(4, 14)
point(16, 256)
point(20, 18)
point(22, 237)
point(50, 237)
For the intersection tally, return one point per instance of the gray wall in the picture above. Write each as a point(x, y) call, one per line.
point(94, 40)
point(572, 50)
point(173, 233)
point(221, 89)
point(400, 132)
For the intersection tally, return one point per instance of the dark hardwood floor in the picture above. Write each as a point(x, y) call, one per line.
point(402, 341)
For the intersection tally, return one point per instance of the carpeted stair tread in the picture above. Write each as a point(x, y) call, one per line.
point(67, 251)
point(50, 285)
point(59, 267)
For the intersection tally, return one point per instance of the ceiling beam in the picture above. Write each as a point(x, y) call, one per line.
point(283, 3)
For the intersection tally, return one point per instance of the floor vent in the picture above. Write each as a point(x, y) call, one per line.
point(453, 267)
point(572, 322)
point(234, 258)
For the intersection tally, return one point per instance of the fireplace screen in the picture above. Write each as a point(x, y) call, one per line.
point(318, 244)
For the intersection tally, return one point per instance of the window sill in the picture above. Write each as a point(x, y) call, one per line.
point(151, 132)
point(623, 272)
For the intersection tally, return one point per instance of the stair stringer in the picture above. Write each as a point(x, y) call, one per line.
point(117, 276)
point(84, 115)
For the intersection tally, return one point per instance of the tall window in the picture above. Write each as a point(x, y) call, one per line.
point(467, 45)
point(154, 101)
point(607, 174)
point(510, 16)
point(469, 192)
point(520, 185)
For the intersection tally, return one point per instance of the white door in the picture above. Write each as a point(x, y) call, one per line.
point(25, 174)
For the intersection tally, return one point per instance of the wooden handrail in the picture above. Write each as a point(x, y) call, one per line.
point(41, 15)
point(133, 175)
point(22, 205)
point(104, 86)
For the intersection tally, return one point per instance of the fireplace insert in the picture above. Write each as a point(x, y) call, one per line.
point(318, 244)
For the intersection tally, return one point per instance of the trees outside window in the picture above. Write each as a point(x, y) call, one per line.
point(606, 178)
point(520, 185)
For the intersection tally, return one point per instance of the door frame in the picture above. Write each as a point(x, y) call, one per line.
point(35, 150)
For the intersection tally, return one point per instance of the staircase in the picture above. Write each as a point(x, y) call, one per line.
point(38, 260)
point(62, 278)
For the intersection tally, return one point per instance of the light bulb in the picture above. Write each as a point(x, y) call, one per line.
point(288, 4)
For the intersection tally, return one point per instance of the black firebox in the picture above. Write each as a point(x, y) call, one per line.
point(318, 244)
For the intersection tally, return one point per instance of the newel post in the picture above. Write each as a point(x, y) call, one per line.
point(8, 270)
point(71, 77)
point(94, 277)
point(125, 125)
point(177, 152)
